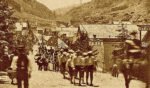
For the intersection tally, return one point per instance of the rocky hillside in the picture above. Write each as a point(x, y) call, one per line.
point(61, 11)
point(106, 11)
point(31, 10)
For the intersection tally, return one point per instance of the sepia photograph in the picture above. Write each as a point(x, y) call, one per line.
point(74, 43)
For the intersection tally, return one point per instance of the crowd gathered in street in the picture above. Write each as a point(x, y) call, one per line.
point(67, 61)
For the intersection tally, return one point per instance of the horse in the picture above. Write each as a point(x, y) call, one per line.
point(139, 70)
point(136, 68)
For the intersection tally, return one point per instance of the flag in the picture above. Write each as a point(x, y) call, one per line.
point(77, 36)
point(62, 44)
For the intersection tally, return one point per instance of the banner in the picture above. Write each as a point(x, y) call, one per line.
point(62, 44)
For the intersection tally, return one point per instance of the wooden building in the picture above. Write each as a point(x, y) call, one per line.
point(104, 38)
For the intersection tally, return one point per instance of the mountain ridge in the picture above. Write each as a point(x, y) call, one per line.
point(31, 10)
point(106, 11)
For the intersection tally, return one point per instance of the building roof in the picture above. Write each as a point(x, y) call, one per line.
point(69, 31)
point(105, 30)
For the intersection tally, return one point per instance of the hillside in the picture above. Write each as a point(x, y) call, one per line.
point(31, 10)
point(106, 11)
point(61, 11)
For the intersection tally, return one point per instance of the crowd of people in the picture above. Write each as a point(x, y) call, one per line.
point(76, 63)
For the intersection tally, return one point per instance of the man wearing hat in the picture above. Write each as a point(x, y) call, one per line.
point(133, 49)
point(133, 46)
point(82, 64)
point(23, 67)
point(77, 62)
point(90, 65)
point(70, 66)
point(63, 63)
point(60, 55)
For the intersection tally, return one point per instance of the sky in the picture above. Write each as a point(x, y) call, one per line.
point(55, 4)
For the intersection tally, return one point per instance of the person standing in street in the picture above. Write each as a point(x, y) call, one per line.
point(90, 65)
point(13, 67)
point(23, 67)
point(51, 53)
point(60, 55)
point(63, 63)
point(77, 62)
point(82, 68)
point(70, 66)
point(115, 70)
point(39, 63)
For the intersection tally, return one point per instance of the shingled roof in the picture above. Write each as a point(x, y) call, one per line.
point(105, 30)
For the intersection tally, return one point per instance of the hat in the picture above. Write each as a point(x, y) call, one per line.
point(71, 51)
point(90, 52)
point(85, 54)
point(64, 53)
point(67, 54)
point(61, 50)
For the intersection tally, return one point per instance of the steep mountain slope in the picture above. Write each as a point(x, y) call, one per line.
point(61, 11)
point(106, 11)
point(30, 10)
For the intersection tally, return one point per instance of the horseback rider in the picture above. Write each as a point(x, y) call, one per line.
point(133, 46)
point(133, 51)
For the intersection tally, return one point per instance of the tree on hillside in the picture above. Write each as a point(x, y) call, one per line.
point(6, 32)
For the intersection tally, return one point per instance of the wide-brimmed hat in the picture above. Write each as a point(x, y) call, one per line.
point(64, 53)
point(85, 54)
point(90, 53)
point(78, 51)
point(71, 51)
